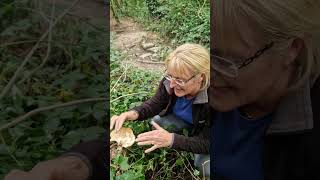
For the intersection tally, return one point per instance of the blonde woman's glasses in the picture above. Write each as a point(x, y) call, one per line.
point(178, 81)
point(228, 67)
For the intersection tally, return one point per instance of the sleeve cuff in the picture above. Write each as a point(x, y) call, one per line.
point(83, 158)
point(172, 142)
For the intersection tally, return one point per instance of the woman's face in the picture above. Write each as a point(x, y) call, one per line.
point(263, 80)
point(191, 86)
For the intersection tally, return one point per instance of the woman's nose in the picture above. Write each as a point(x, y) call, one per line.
point(172, 83)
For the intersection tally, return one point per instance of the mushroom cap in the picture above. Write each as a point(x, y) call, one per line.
point(124, 137)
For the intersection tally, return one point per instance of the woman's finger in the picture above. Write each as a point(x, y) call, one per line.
point(151, 149)
point(145, 138)
point(120, 122)
point(157, 126)
point(113, 121)
point(149, 133)
point(146, 143)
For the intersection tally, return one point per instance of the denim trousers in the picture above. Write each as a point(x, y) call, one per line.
point(176, 125)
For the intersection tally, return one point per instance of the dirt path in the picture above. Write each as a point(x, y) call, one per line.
point(143, 48)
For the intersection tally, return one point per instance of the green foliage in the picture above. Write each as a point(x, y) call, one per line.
point(74, 70)
point(131, 8)
point(180, 21)
point(160, 164)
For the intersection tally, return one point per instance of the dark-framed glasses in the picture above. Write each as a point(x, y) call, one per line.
point(229, 67)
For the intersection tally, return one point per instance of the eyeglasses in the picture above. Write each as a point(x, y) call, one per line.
point(178, 81)
point(229, 67)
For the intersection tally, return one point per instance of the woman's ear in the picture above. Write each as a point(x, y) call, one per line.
point(295, 49)
point(202, 77)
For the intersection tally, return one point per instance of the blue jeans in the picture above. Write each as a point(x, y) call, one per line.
point(175, 125)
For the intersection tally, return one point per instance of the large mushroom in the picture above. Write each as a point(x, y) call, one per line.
point(124, 137)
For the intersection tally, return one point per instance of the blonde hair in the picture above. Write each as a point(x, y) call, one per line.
point(280, 20)
point(190, 57)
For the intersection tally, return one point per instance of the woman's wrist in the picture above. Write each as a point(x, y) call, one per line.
point(132, 115)
point(172, 140)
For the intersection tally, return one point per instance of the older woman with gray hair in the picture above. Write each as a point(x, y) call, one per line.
point(265, 90)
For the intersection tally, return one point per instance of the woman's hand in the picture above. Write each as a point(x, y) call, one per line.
point(63, 168)
point(158, 138)
point(117, 121)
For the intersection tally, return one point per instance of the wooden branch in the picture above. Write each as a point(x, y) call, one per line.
point(151, 62)
point(34, 48)
point(128, 95)
point(17, 43)
point(48, 48)
point(42, 109)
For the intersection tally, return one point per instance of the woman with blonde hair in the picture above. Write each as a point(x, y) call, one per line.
point(181, 102)
point(265, 89)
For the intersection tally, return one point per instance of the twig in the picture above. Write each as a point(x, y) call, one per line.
point(38, 110)
point(85, 20)
point(203, 171)
point(204, 3)
point(17, 43)
point(187, 166)
point(163, 167)
point(116, 83)
point(48, 48)
point(35, 11)
point(128, 95)
point(34, 48)
point(32, 41)
point(150, 62)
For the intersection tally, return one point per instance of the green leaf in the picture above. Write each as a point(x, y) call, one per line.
point(124, 163)
point(132, 175)
point(66, 114)
point(179, 162)
point(196, 172)
point(92, 133)
point(71, 139)
point(22, 153)
point(51, 125)
point(112, 174)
